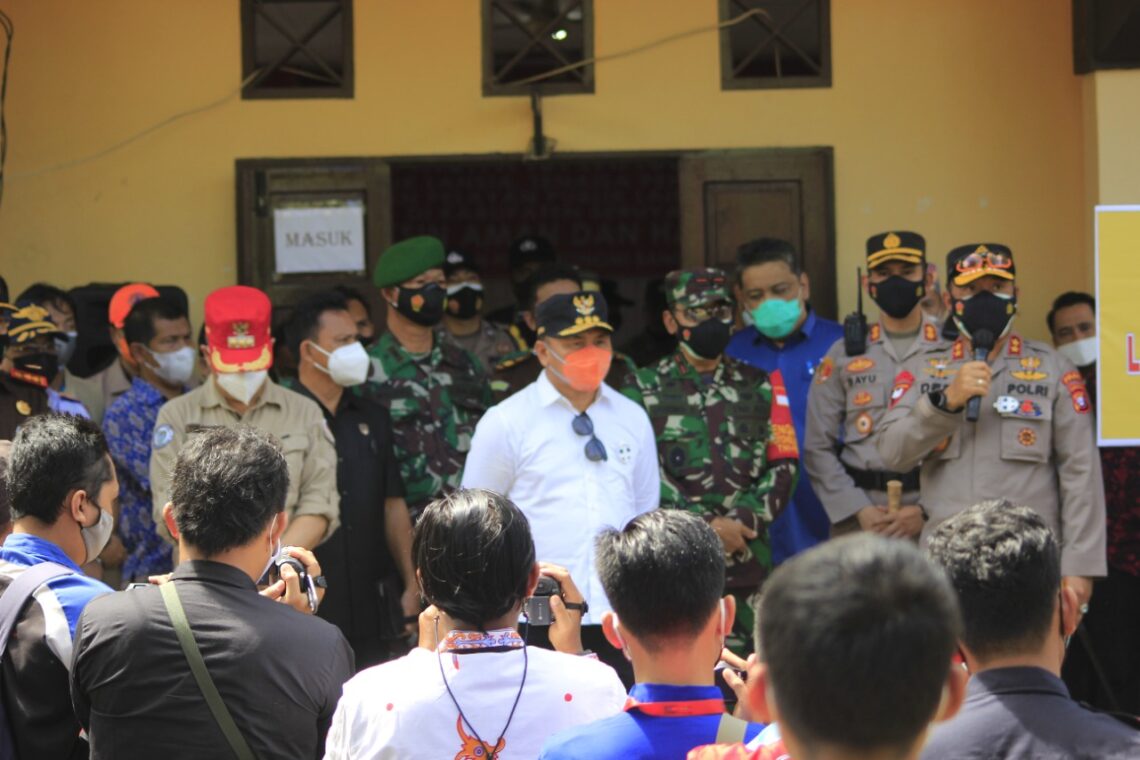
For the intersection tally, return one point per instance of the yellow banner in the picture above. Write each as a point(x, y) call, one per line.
point(1118, 325)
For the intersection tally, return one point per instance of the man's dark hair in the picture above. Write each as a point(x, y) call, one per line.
point(765, 250)
point(54, 455)
point(3, 290)
point(228, 484)
point(857, 635)
point(663, 573)
point(139, 326)
point(1006, 567)
point(305, 321)
point(5, 508)
point(48, 295)
point(1064, 301)
point(474, 553)
point(545, 275)
point(352, 294)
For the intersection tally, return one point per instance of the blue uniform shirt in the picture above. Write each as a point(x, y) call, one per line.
point(633, 735)
point(72, 592)
point(129, 428)
point(804, 523)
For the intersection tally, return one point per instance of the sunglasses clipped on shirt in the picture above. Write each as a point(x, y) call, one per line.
point(595, 450)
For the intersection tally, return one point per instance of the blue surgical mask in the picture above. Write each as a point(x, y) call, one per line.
point(776, 318)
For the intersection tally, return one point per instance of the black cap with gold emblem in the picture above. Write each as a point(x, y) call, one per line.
point(562, 316)
point(967, 263)
point(895, 246)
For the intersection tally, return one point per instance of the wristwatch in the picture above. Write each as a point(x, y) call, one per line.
point(938, 398)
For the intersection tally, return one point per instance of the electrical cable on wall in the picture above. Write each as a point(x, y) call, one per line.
point(229, 96)
point(9, 30)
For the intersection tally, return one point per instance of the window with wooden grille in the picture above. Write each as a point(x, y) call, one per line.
point(297, 48)
point(780, 43)
point(526, 39)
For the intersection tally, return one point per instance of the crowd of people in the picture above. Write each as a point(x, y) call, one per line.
point(493, 535)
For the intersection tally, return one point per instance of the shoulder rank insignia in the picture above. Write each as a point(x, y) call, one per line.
point(959, 351)
point(929, 333)
point(1014, 345)
point(875, 333)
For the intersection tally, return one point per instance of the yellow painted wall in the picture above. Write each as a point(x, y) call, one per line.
point(960, 119)
point(1118, 150)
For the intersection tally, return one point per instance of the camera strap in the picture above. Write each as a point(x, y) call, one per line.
point(205, 683)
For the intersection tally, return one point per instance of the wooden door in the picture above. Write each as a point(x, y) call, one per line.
point(733, 196)
point(264, 185)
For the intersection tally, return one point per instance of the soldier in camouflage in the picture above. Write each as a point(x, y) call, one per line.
point(725, 440)
point(434, 390)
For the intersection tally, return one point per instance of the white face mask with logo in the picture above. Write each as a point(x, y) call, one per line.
point(175, 367)
point(1080, 352)
point(348, 365)
point(242, 386)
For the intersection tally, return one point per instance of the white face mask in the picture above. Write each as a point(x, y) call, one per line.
point(65, 347)
point(1080, 352)
point(243, 386)
point(96, 537)
point(348, 365)
point(175, 367)
point(273, 554)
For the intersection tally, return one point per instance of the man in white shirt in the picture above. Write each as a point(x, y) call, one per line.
point(575, 455)
point(478, 692)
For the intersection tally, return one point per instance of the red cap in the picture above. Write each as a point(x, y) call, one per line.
point(237, 329)
point(125, 298)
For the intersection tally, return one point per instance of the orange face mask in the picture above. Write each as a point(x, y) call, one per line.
point(584, 369)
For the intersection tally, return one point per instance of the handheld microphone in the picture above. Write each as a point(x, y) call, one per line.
point(983, 341)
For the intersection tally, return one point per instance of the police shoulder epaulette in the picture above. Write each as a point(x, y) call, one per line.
point(513, 360)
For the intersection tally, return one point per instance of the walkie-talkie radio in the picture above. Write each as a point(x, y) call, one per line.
point(855, 324)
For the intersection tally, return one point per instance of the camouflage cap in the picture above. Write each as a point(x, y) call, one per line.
point(695, 287)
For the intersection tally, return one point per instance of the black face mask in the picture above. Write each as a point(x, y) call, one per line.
point(708, 339)
point(424, 306)
point(43, 364)
point(984, 310)
point(897, 296)
point(465, 302)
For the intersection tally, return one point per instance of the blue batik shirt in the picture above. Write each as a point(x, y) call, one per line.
point(129, 428)
point(804, 523)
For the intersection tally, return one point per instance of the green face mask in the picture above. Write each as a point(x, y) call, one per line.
point(776, 318)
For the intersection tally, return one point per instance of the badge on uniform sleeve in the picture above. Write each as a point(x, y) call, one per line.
point(1078, 393)
point(23, 407)
point(1026, 437)
point(903, 381)
point(163, 434)
point(824, 370)
point(864, 423)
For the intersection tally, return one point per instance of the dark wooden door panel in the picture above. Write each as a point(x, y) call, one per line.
point(731, 197)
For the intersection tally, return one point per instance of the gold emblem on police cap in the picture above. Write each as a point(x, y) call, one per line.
point(23, 407)
point(239, 336)
point(584, 304)
point(891, 240)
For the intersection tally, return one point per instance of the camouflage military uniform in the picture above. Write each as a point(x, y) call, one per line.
point(726, 448)
point(435, 401)
point(725, 444)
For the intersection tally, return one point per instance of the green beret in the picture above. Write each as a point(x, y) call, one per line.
point(407, 259)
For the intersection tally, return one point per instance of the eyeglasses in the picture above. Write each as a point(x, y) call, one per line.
point(583, 425)
point(722, 311)
point(984, 260)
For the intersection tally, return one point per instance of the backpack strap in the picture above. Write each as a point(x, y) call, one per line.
point(731, 730)
point(206, 685)
point(20, 590)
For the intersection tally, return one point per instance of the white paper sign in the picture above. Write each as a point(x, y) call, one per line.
point(319, 239)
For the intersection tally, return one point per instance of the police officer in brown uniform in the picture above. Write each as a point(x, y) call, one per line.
point(18, 398)
point(1033, 438)
point(850, 392)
